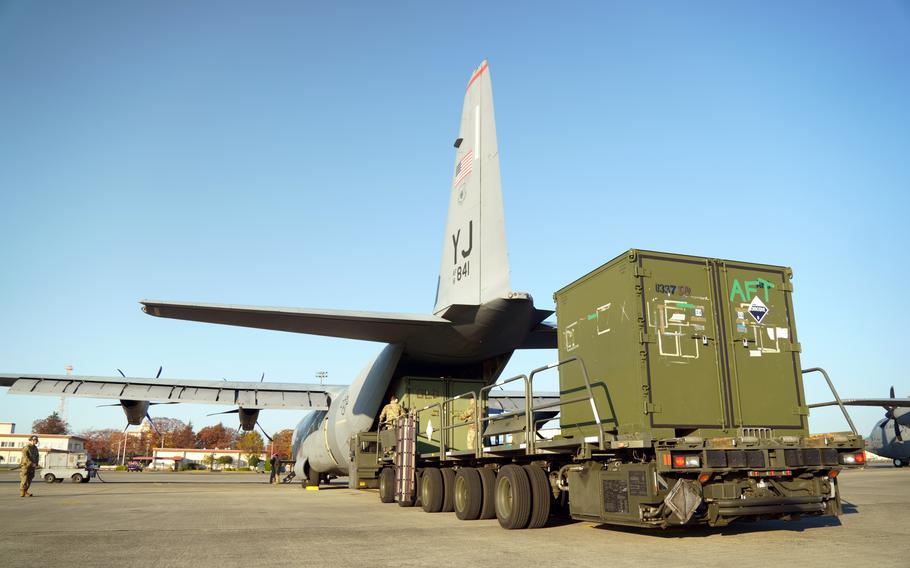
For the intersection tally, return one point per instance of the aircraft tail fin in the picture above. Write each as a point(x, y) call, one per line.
point(475, 264)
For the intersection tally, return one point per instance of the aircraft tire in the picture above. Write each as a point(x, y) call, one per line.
point(431, 490)
point(312, 478)
point(448, 487)
point(387, 485)
point(468, 494)
point(540, 496)
point(488, 483)
point(77, 478)
point(49, 478)
point(513, 497)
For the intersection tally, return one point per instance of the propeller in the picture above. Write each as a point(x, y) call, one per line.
point(138, 410)
point(889, 414)
point(263, 431)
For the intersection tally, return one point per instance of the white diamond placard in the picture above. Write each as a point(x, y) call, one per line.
point(757, 309)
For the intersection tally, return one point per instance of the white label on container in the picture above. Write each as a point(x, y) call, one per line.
point(783, 333)
point(770, 333)
point(755, 353)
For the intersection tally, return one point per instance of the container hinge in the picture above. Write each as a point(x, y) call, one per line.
point(645, 337)
point(785, 286)
point(653, 408)
point(641, 272)
point(794, 347)
point(801, 411)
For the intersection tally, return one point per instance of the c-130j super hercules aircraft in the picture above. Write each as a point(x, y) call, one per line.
point(477, 322)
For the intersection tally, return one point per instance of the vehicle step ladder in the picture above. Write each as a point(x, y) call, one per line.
point(405, 458)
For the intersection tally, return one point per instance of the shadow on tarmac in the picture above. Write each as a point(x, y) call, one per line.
point(739, 527)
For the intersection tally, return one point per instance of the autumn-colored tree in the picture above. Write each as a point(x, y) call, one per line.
point(53, 424)
point(183, 438)
point(250, 443)
point(98, 444)
point(217, 436)
point(281, 443)
point(174, 432)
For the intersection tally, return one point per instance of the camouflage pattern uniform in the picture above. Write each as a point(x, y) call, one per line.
point(390, 413)
point(468, 416)
point(27, 464)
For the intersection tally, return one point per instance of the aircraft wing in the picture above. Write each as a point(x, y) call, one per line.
point(883, 402)
point(366, 326)
point(243, 394)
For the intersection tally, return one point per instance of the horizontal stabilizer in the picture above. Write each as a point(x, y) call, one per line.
point(365, 326)
point(541, 337)
point(243, 394)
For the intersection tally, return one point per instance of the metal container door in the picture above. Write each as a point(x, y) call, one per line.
point(762, 349)
point(683, 371)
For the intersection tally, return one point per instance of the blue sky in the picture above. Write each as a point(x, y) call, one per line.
point(299, 154)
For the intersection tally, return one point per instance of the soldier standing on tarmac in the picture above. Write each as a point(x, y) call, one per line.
point(390, 413)
point(27, 465)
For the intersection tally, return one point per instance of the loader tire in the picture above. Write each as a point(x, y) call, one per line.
point(540, 496)
point(431, 490)
point(513, 497)
point(468, 494)
point(488, 482)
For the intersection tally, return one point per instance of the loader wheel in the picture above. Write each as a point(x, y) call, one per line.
point(513, 497)
point(49, 478)
point(899, 462)
point(488, 482)
point(540, 496)
point(77, 478)
point(387, 485)
point(448, 486)
point(431, 490)
point(468, 494)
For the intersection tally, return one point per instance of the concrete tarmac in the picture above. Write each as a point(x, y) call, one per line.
point(161, 519)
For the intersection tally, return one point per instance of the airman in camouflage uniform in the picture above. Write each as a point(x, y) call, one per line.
point(468, 416)
point(27, 465)
point(390, 413)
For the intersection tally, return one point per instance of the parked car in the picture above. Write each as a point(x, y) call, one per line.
point(134, 466)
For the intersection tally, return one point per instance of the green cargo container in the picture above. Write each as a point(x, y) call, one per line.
point(681, 346)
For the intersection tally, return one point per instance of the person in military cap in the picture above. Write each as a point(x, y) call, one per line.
point(390, 413)
point(27, 465)
point(467, 415)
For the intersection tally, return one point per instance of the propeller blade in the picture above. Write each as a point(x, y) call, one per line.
point(121, 373)
point(235, 411)
point(103, 405)
point(897, 431)
point(159, 372)
point(262, 378)
point(152, 422)
point(892, 391)
point(263, 431)
point(156, 403)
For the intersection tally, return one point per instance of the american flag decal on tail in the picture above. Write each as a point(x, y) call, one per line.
point(464, 167)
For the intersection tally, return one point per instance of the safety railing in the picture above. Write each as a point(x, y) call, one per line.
point(480, 419)
point(532, 440)
point(836, 396)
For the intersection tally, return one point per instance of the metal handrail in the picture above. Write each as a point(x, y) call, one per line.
point(834, 392)
point(532, 443)
point(505, 415)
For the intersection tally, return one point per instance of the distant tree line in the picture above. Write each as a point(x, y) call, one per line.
point(104, 444)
